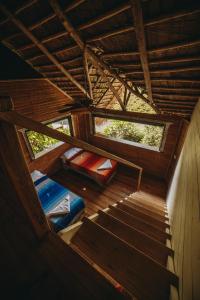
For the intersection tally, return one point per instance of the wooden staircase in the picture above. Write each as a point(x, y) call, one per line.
point(129, 244)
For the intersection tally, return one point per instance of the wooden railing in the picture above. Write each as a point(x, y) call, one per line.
point(8, 115)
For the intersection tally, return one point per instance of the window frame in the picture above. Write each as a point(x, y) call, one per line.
point(146, 121)
point(30, 150)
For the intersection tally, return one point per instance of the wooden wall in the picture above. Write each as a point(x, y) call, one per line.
point(39, 100)
point(36, 99)
point(184, 210)
point(154, 162)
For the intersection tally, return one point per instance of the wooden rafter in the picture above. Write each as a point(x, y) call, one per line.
point(21, 26)
point(159, 62)
point(175, 46)
point(93, 57)
point(70, 7)
point(84, 26)
point(141, 40)
point(110, 86)
point(104, 93)
point(87, 72)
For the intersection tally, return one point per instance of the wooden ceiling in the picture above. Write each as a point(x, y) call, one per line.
point(99, 49)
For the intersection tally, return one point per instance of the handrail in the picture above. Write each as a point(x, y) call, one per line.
point(17, 119)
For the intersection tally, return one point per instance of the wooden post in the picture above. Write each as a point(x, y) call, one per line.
point(16, 171)
point(141, 39)
point(87, 73)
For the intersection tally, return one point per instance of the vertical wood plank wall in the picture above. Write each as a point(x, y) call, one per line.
point(184, 210)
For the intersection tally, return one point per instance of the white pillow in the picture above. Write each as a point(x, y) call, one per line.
point(35, 175)
point(72, 152)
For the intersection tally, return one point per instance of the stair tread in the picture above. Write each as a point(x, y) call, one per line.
point(89, 283)
point(124, 263)
point(139, 224)
point(158, 214)
point(138, 239)
point(162, 225)
point(157, 204)
point(124, 293)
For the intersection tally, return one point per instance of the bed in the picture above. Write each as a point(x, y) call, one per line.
point(60, 205)
point(94, 166)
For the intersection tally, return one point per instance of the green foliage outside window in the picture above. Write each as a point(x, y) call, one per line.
point(40, 142)
point(150, 135)
point(144, 134)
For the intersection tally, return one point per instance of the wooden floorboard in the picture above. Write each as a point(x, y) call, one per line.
point(121, 186)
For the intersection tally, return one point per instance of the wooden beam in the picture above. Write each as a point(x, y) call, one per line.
point(175, 60)
point(175, 96)
point(129, 115)
point(130, 64)
point(176, 70)
point(23, 7)
point(111, 33)
point(21, 26)
point(162, 105)
point(110, 85)
point(68, 26)
point(175, 90)
point(172, 16)
point(108, 15)
point(175, 46)
point(104, 93)
point(41, 22)
point(113, 98)
point(85, 63)
point(141, 40)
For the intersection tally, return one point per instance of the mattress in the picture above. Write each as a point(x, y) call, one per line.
point(51, 194)
point(89, 164)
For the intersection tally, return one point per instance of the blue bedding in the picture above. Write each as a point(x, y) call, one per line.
point(51, 194)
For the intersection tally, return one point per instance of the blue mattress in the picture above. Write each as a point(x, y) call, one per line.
point(51, 194)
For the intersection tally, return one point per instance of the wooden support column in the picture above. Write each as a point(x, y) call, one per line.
point(16, 171)
point(141, 40)
point(87, 72)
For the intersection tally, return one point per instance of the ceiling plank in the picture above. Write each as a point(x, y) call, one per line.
point(141, 40)
point(22, 27)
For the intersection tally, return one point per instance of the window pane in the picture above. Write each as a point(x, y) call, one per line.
point(145, 134)
point(41, 143)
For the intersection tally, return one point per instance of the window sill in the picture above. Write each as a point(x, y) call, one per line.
point(42, 153)
point(130, 143)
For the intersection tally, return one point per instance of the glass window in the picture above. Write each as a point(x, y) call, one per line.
point(130, 132)
point(40, 144)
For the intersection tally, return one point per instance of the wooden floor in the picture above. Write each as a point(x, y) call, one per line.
point(121, 186)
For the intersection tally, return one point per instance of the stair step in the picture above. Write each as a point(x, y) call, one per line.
point(83, 281)
point(124, 294)
point(161, 215)
point(139, 224)
point(157, 205)
point(139, 274)
point(136, 213)
point(133, 237)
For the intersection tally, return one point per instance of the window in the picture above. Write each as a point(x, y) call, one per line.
point(40, 144)
point(138, 134)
